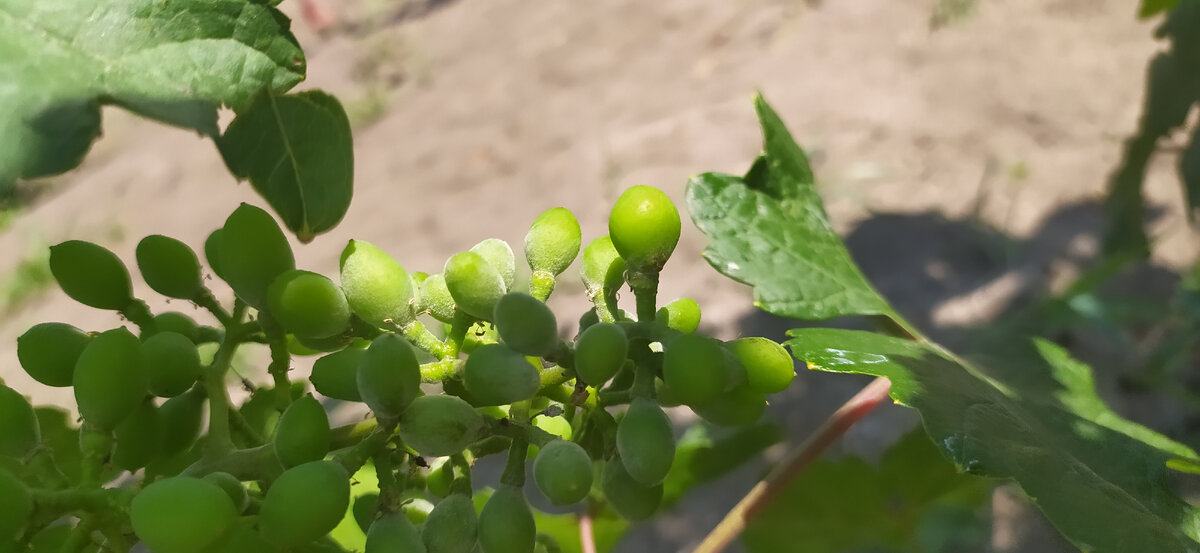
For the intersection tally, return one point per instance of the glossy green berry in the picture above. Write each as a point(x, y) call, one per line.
point(603, 270)
point(599, 353)
point(170, 267)
point(389, 376)
point(91, 275)
point(110, 378)
point(174, 321)
point(304, 503)
point(589, 318)
point(694, 369)
point(526, 325)
point(452, 526)
point(254, 252)
point(172, 363)
point(377, 288)
point(682, 314)
point(138, 438)
point(646, 441)
point(48, 352)
point(644, 226)
point(212, 252)
point(303, 433)
point(741, 406)
point(16, 506)
point(365, 508)
point(336, 375)
point(497, 375)
point(769, 367)
point(441, 475)
point(182, 419)
point(474, 284)
point(393, 533)
point(553, 240)
point(499, 255)
point(232, 488)
point(563, 472)
point(308, 305)
point(631, 499)
point(437, 299)
point(506, 524)
point(440, 425)
point(19, 431)
point(181, 514)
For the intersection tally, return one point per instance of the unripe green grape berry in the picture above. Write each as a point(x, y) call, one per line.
point(437, 298)
point(19, 431)
point(110, 378)
point(474, 284)
point(232, 487)
point(91, 275)
point(181, 514)
point(170, 267)
point(589, 318)
point(563, 472)
point(526, 325)
point(497, 375)
point(389, 376)
point(452, 526)
point(378, 289)
point(308, 305)
point(682, 314)
point(254, 252)
point(769, 367)
point(599, 353)
point(603, 270)
point(336, 375)
point(499, 255)
point(644, 226)
point(741, 406)
point(557, 426)
point(663, 395)
point(212, 252)
point(328, 344)
point(441, 475)
point(182, 418)
point(365, 508)
point(631, 499)
point(440, 425)
point(304, 503)
point(694, 369)
point(174, 321)
point(16, 506)
point(506, 524)
point(393, 533)
point(646, 441)
point(138, 438)
point(48, 352)
point(303, 433)
point(172, 363)
point(553, 240)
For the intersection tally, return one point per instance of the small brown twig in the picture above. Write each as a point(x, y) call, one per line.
point(587, 539)
point(791, 466)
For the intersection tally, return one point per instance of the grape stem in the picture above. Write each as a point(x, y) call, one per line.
point(587, 538)
point(220, 442)
point(354, 458)
point(246, 464)
point(281, 360)
point(541, 285)
point(139, 314)
point(645, 291)
point(206, 300)
point(794, 463)
point(421, 337)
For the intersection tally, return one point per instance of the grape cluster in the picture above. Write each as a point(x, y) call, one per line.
point(453, 366)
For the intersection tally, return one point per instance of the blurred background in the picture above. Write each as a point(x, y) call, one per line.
point(964, 148)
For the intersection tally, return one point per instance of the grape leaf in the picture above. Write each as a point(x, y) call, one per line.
point(1150, 8)
point(1100, 479)
point(849, 505)
point(172, 61)
point(297, 152)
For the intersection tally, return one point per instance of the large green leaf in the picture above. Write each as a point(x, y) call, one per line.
point(913, 502)
point(297, 152)
point(1102, 480)
point(175, 61)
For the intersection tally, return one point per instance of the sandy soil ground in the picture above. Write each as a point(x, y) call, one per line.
point(472, 117)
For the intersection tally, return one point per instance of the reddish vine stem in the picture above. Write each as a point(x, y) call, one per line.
point(587, 539)
point(791, 466)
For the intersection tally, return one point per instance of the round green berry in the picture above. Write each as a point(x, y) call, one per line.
point(441, 475)
point(303, 433)
point(553, 240)
point(181, 515)
point(19, 431)
point(212, 252)
point(452, 526)
point(377, 288)
point(769, 367)
point(91, 275)
point(506, 523)
point(499, 255)
point(526, 325)
point(646, 442)
point(440, 425)
point(48, 352)
point(174, 321)
point(682, 314)
point(603, 270)
point(336, 375)
point(497, 375)
point(563, 472)
point(694, 369)
point(599, 353)
point(172, 363)
point(644, 226)
point(741, 406)
point(110, 378)
point(232, 488)
point(474, 284)
point(389, 376)
point(170, 267)
point(393, 533)
point(306, 502)
point(138, 439)
point(631, 499)
point(182, 416)
point(437, 299)
point(254, 252)
point(308, 305)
